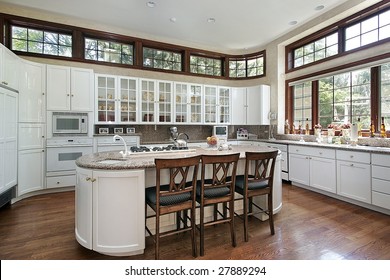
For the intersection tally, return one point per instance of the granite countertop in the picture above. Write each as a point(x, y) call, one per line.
point(115, 161)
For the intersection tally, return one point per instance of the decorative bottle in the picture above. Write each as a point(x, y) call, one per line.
point(383, 128)
point(286, 127)
point(372, 129)
point(307, 131)
point(359, 128)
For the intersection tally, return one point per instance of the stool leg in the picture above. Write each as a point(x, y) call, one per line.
point(202, 230)
point(246, 219)
point(271, 214)
point(232, 231)
point(193, 233)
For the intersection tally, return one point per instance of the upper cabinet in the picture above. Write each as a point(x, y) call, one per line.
point(32, 94)
point(9, 68)
point(156, 101)
point(69, 89)
point(116, 99)
point(217, 103)
point(188, 103)
point(251, 105)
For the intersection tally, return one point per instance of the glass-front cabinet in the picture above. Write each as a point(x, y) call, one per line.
point(216, 104)
point(106, 94)
point(116, 99)
point(156, 101)
point(188, 103)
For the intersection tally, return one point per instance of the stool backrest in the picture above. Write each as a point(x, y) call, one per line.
point(260, 166)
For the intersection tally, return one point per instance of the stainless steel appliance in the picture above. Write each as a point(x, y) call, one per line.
point(221, 131)
point(70, 123)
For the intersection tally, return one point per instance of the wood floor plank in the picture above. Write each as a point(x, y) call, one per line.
point(310, 226)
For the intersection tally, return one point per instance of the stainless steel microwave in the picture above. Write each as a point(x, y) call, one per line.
point(70, 123)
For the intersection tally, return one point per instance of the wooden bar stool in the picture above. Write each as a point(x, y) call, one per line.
point(217, 189)
point(178, 195)
point(257, 181)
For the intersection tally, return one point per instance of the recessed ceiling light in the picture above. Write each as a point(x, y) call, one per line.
point(319, 8)
point(151, 4)
point(293, 22)
point(173, 19)
point(211, 20)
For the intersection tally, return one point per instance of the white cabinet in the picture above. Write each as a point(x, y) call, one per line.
point(156, 101)
point(251, 105)
point(69, 89)
point(313, 167)
point(284, 157)
point(9, 68)
point(116, 99)
point(110, 211)
point(31, 158)
point(188, 107)
point(354, 175)
point(217, 104)
point(32, 94)
point(380, 170)
point(8, 139)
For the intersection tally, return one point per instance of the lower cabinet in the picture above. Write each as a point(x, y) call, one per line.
point(110, 211)
point(31, 171)
point(354, 175)
point(313, 167)
point(380, 169)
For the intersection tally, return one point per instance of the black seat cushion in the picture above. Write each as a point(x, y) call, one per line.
point(240, 183)
point(211, 192)
point(150, 196)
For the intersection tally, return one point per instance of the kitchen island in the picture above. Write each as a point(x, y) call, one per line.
point(110, 196)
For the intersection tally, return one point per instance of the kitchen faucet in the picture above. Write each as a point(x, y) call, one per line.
point(181, 142)
point(116, 138)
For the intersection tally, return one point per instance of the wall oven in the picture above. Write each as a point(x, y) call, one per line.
point(63, 152)
point(70, 123)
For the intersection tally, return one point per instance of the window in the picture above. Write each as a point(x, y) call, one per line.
point(160, 59)
point(40, 41)
point(368, 31)
point(345, 97)
point(108, 51)
point(385, 93)
point(302, 104)
point(317, 50)
point(205, 65)
point(247, 67)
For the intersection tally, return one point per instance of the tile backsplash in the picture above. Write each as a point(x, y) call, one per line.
point(161, 133)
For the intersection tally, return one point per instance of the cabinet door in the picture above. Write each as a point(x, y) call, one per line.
point(323, 174)
point(224, 105)
point(128, 91)
point(32, 94)
point(164, 102)
point(196, 104)
point(148, 101)
point(82, 87)
point(238, 106)
point(83, 207)
point(105, 92)
point(58, 88)
point(253, 102)
point(210, 104)
point(354, 180)
point(118, 211)
point(31, 170)
point(265, 104)
point(10, 68)
point(181, 111)
point(299, 169)
point(31, 136)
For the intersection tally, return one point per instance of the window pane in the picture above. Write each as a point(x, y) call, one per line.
point(384, 18)
point(369, 37)
point(384, 32)
point(352, 31)
point(108, 51)
point(352, 43)
point(370, 24)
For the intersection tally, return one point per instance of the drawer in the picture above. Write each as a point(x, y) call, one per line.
point(380, 159)
point(282, 148)
point(60, 181)
point(354, 156)
point(381, 172)
point(381, 186)
point(381, 200)
point(310, 151)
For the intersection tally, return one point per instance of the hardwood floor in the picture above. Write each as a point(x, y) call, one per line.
point(309, 227)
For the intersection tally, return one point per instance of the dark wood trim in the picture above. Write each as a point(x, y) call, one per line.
point(315, 100)
point(339, 27)
point(375, 85)
point(80, 33)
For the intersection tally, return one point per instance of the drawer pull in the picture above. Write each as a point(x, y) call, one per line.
point(352, 165)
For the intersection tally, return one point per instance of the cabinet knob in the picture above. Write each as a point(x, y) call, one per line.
point(88, 179)
point(352, 165)
point(68, 94)
point(93, 180)
point(4, 83)
point(72, 95)
point(351, 156)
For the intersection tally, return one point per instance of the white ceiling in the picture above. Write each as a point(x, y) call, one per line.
point(239, 24)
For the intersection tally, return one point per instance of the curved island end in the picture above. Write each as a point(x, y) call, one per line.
point(110, 197)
